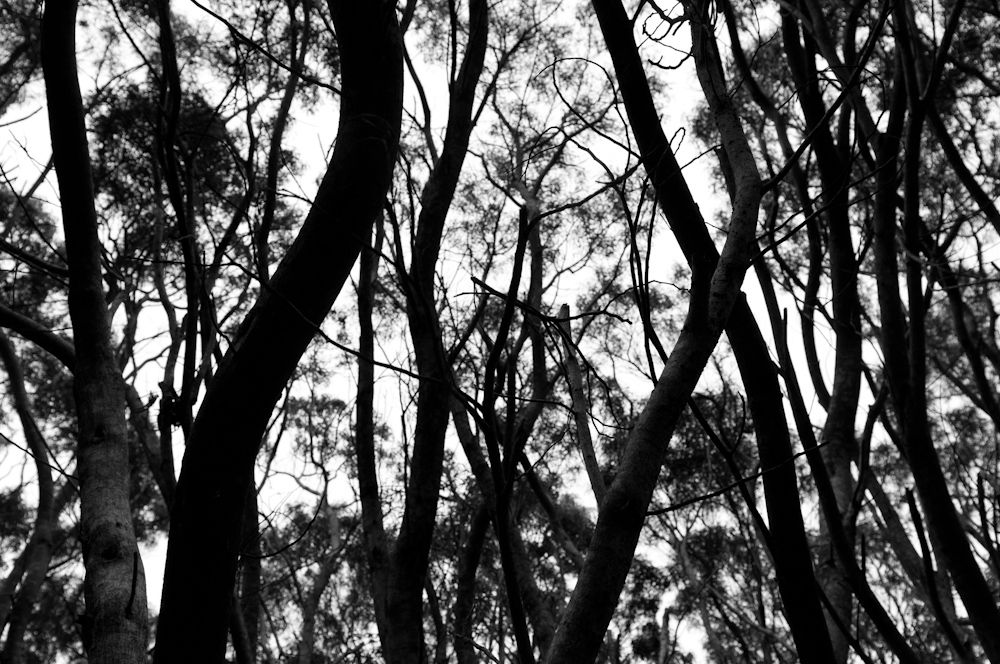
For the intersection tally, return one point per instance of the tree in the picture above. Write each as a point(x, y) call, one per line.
point(115, 623)
point(207, 513)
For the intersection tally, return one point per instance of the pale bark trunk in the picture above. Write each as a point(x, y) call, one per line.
point(115, 625)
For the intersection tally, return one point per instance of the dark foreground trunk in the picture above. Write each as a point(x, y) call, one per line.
point(206, 531)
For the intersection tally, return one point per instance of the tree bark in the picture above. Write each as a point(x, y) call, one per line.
point(313, 600)
point(298, 50)
point(536, 605)
point(850, 574)
point(217, 472)
point(250, 564)
point(115, 626)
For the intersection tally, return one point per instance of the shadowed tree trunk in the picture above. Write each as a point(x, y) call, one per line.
point(399, 569)
point(715, 284)
point(906, 371)
point(250, 572)
point(833, 162)
point(905, 364)
point(789, 545)
point(206, 530)
point(115, 625)
point(465, 591)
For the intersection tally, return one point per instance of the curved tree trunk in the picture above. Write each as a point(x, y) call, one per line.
point(791, 553)
point(206, 530)
point(314, 598)
point(838, 431)
point(715, 284)
point(906, 366)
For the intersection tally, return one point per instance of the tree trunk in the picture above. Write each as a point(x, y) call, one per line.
point(906, 367)
point(115, 625)
point(792, 561)
point(580, 406)
point(250, 572)
point(206, 530)
point(398, 572)
point(838, 431)
point(536, 604)
point(465, 591)
point(715, 284)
